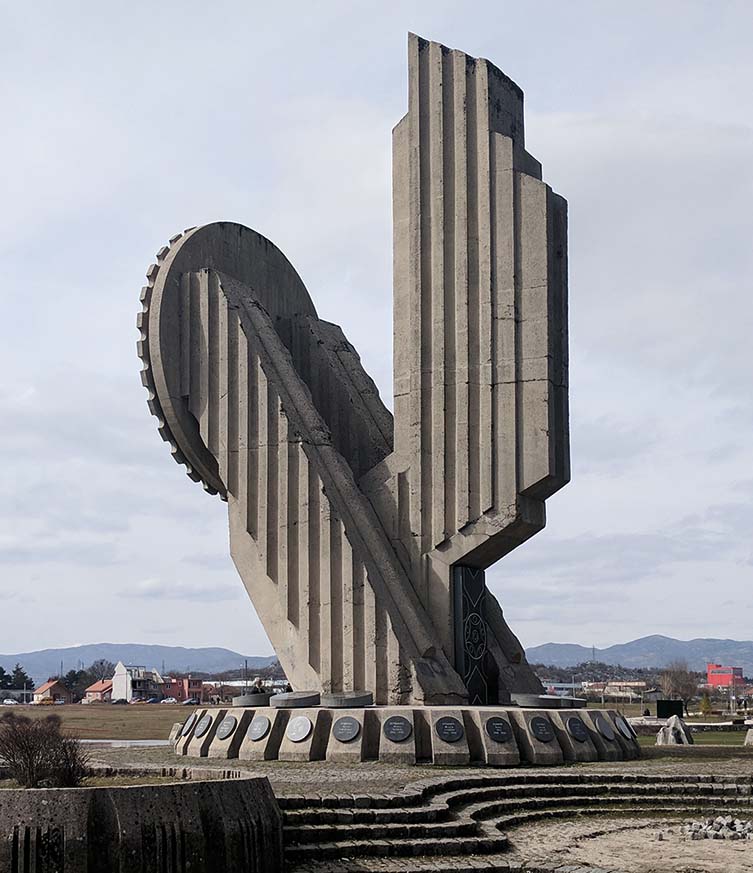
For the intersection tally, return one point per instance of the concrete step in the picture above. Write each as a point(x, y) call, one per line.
point(430, 813)
point(346, 849)
point(507, 823)
point(328, 833)
point(486, 809)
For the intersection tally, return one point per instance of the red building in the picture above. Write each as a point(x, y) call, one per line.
point(718, 676)
point(182, 689)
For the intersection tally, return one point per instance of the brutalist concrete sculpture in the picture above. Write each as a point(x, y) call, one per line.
point(363, 540)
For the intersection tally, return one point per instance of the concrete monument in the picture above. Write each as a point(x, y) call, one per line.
point(362, 538)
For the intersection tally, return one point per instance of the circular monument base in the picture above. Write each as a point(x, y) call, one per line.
point(291, 730)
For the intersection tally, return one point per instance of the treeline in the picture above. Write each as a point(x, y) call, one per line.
point(17, 680)
point(273, 671)
point(77, 681)
point(595, 671)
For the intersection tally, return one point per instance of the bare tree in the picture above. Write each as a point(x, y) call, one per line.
point(37, 753)
point(679, 682)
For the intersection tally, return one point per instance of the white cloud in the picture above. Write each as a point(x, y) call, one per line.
point(191, 592)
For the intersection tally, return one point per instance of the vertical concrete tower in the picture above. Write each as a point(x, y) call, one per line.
point(363, 541)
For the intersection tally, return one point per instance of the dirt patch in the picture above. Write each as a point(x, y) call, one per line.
point(627, 844)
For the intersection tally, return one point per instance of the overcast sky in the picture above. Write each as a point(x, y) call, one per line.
point(125, 123)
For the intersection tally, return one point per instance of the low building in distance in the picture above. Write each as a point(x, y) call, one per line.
point(52, 691)
point(130, 682)
point(183, 688)
point(719, 676)
point(99, 692)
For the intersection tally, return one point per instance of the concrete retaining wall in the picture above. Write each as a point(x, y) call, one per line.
point(201, 827)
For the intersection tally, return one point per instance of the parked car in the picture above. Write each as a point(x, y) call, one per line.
point(9, 701)
point(154, 700)
point(119, 701)
point(192, 701)
point(169, 700)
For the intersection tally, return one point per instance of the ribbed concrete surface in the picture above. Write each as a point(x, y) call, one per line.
point(202, 827)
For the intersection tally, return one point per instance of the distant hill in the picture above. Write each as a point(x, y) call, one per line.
point(46, 662)
point(652, 651)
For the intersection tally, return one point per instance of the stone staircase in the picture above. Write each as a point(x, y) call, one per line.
point(461, 824)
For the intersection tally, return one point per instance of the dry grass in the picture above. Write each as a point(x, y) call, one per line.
point(107, 722)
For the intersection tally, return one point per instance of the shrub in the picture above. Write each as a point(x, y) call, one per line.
point(38, 754)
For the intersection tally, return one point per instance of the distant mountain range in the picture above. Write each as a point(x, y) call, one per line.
point(652, 651)
point(46, 662)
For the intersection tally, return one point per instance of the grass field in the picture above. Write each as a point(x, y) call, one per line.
point(107, 722)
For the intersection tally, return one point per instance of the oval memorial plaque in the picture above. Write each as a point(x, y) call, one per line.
point(188, 724)
point(397, 728)
point(203, 726)
point(541, 728)
point(449, 729)
point(227, 726)
point(577, 729)
point(498, 729)
point(624, 728)
point(346, 729)
point(259, 728)
point(299, 728)
point(604, 728)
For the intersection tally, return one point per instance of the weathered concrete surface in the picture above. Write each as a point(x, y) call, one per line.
point(207, 827)
point(532, 749)
point(345, 524)
point(608, 748)
point(484, 748)
point(575, 746)
point(674, 733)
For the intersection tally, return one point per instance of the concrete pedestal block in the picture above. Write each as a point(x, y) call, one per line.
point(491, 737)
point(255, 701)
point(573, 735)
point(313, 744)
point(608, 749)
point(227, 745)
point(187, 731)
point(625, 737)
point(363, 747)
point(263, 736)
point(547, 701)
point(449, 742)
point(202, 738)
point(398, 744)
point(295, 699)
point(206, 827)
point(531, 726)
point(347, 699)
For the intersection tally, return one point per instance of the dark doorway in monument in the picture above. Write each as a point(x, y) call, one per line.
point(473, 660)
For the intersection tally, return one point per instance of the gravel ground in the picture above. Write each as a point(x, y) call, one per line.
point(628, 844)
